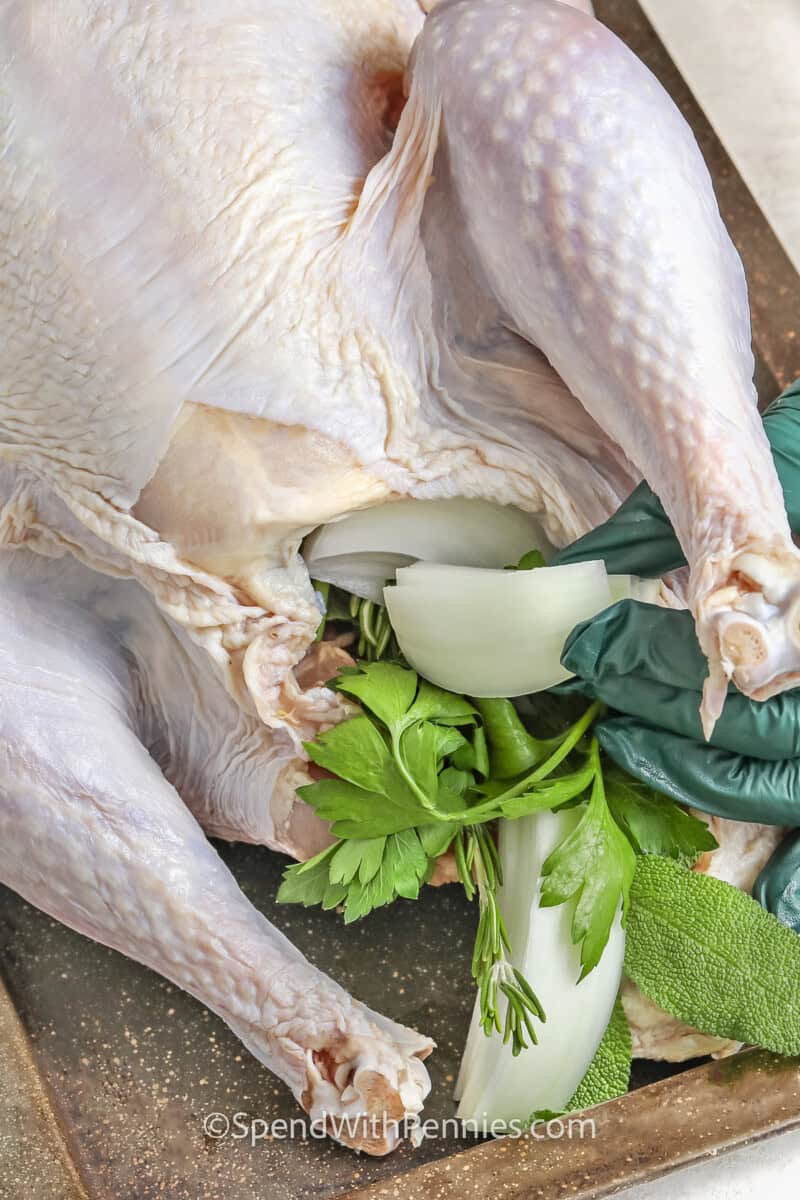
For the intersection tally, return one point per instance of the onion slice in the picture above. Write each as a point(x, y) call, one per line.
point(632, 587)
point(360, 574)
point(492, 633)
point(361, 551)
point(492, 1085)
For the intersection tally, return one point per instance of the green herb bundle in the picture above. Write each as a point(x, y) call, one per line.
point(421, 771)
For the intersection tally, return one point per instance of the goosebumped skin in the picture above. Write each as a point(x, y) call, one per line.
point(215, 263)
point(247, 316)
point(622, 272)
point(587, 229)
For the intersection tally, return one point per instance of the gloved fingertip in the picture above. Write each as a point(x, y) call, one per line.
point(585, 647)
point(581, 650)
point(777, 888)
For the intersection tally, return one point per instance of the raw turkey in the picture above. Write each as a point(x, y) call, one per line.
point(261, 264)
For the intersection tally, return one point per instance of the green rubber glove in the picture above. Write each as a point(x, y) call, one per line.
point(778, 886)
point(645, 664)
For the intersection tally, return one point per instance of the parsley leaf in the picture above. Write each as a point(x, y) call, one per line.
point(595, 864)
point(358, 813)
point(356, 752)
point(386, 689)
point(445, 708)
point(361, 873)
point(548, 793)
point(388, 765)
point(437, 837)
point(393, 792)
point(398, 697)
point(654, 824)
point(528, 562)
point(309, 883)
point(422, 748)
point(474, 754)
point(353, 859)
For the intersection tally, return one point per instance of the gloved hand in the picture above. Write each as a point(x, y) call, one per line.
point(645, 663)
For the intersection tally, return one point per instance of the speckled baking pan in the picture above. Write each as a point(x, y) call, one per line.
point(114, 1072)
point(109, 1073)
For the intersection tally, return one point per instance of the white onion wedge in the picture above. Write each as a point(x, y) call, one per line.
point(632, 587)
point(545, 600)
point(470, 673)
point(473, 532)
point(360, 574)
point(621, 586)
point(492, 633)
point(646, 590)
point(461, 531)
point(492, 1085)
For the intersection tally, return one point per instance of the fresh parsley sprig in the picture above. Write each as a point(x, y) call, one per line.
point(421, 770)
point(595, 865)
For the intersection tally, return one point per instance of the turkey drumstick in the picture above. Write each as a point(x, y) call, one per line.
point(91, 832)
point(591, 213)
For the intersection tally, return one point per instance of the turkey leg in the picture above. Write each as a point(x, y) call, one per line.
point(91, 832)
point(592, 215)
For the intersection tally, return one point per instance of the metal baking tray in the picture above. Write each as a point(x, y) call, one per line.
point(109, 1072)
